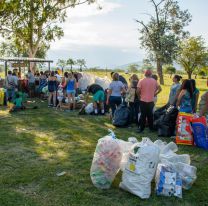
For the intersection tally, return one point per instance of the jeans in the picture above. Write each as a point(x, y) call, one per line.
point(146, 113)
point(134, 111)
point(114, 103)
point(10, 94)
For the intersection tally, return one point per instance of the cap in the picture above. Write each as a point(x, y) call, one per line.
point(148, 72)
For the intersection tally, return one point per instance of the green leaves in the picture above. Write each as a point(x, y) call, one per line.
point(160, 36)
point(192, 54)
point(33, 23)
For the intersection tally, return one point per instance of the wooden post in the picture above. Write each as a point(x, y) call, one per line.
point(5, 65)
point(49, 66)
point(28, 65)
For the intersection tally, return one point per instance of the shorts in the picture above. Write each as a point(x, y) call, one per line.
point(31, 86)
point(70, 92)
point(99, 96)
point(60, 99)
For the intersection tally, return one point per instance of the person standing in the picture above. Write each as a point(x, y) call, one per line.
point(31, 83)
point(203, 105)
point(71, 90)
point(10, 86)
point(114, 97)
point(133, 99)
point(52, 88)
point(174, 90)
point(147, 89)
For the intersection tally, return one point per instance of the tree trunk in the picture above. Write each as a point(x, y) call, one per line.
point(189, 75)
point(159, 71)
point(32, 65)
point(71, 67)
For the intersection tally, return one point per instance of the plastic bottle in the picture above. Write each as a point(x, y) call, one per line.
point(169, 147)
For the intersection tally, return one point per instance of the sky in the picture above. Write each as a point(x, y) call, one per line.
point(109, 37)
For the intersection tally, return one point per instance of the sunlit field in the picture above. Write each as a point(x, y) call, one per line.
point(36, 145)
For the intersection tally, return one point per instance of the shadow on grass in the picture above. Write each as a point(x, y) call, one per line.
point(36, 145)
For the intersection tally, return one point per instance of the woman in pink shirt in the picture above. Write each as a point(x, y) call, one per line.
point(147, 89)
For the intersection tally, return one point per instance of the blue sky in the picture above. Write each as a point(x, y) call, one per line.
point(109, 37)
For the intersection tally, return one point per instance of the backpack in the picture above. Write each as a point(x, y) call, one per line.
point(121, 116)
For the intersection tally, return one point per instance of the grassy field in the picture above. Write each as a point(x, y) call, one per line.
point(35, 145)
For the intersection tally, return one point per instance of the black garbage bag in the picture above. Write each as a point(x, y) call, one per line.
point(166, 123)
point(161, 111)
point(121, 116)
point(164, 131)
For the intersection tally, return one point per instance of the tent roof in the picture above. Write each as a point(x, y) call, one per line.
point(23, 59)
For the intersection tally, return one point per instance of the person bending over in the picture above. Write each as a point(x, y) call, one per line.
point(98, 97)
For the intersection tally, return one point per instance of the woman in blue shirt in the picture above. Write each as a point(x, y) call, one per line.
point(71, 89)
point(185, 97)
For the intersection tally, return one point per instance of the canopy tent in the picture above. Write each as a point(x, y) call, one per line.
point(23, 60)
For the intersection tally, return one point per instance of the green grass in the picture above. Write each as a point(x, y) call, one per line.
point(37, 144)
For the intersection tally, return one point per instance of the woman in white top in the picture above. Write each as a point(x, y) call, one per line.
point(115, 90)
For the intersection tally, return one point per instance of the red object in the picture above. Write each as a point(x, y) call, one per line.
point(148, 72)
point(184, 131)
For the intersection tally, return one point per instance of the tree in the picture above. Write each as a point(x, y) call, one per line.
point(170, 69)
point(9, 49)
point(147, 64)
point(81, 63)
point(62, 63)
point(71, 62)
point(192, 54)
point(133, 68)
point(161, 34)
point(33, 23)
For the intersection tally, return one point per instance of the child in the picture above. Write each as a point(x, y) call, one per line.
point(60, 96)
point(18, 105)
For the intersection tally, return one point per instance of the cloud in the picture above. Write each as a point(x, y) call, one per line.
point(87, 32)
point(93, 9)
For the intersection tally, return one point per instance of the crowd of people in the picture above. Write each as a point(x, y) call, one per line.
point(140, 94)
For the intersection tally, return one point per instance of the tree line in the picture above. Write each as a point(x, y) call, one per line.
point(30, 26)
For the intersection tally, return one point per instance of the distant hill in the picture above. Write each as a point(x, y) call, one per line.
point(140, 63)
point(125, 66)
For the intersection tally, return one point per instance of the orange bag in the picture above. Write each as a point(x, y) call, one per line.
point(184, 131)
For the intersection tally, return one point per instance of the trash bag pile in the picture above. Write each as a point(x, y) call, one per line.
point(103, 82)
point(141, 163)
point(88, 79)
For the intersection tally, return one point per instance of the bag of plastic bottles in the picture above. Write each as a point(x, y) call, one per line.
point(106, 161)
point(168, 182)
point(89, 108)
point(140, 169)
point(187, 173)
